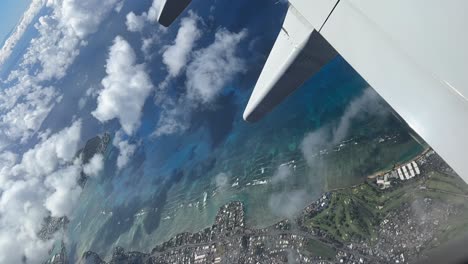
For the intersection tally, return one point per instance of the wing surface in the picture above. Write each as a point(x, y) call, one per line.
point(413, 53)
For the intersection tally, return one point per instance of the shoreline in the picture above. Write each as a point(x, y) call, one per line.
point(398, 164)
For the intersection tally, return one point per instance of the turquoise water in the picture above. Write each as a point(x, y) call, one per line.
point(170, 185)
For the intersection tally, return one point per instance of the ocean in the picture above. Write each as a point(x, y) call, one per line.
point(333, 132)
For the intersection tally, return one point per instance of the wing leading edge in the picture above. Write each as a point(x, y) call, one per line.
point(170, 10)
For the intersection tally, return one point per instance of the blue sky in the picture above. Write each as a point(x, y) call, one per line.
point(10, 12)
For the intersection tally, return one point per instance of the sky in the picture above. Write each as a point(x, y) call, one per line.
point(11, 12)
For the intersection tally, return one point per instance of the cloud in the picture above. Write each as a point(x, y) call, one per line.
point(207, 74)
point(135, 23)
point(94, 166)
point(119, 6)
point(366, 103)
point(61, 34)
point(33, 109)
point(153, 11)
point(313, 142)
point(126, 87)
point(22, 212)
point(281, 174)
point(214, 66)
point(26, 20)
point(175, 56)
point(331, 134)
point(172, 120)
point(91, 92)
point(222, 180)
point(84, 16)
point(66, 191)
point(288, 204)
point(46, 156)
point(40, 183)
point(147, 45)
point(126, 150)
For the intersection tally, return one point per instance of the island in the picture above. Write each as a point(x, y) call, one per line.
point(396, 216)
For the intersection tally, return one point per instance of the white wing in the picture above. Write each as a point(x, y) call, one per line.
point(413, 53)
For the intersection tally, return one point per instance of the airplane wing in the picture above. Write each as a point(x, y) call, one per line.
point(413, 53)
point(170, 10)
point(299, 52)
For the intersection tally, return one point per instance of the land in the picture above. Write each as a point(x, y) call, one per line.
point(52, 225)
point(388, 218)
point(96, 145)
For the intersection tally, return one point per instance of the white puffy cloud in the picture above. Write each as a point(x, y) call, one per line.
point(26, 20)
point(210, 70)
point(153, 11)
point(126, 150)
point(214, 66)
point(21, 214)
point(94, 166)
point(24, 118)
point(65, 192)
point(135, 23)
point(175, 56)
point(24, 101)
point(84, 16)
point(42, 182)
point(7, 160)
point(46, 156)
point(126, 87)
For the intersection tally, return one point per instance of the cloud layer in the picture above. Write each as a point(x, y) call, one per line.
point(42, 182)
point(38, 176)
point(126, 87)
point(61, 33)
point(28, 16)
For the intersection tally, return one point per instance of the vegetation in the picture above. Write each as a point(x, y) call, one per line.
point(317, 248)
point(354, 214)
